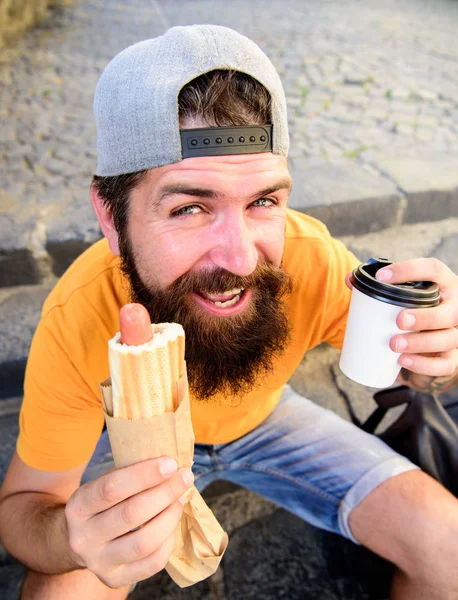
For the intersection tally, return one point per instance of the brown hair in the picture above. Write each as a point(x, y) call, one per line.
point(218, 98)
point(224, 98)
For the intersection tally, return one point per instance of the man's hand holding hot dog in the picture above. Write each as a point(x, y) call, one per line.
point(429, 351)
point(121, 526)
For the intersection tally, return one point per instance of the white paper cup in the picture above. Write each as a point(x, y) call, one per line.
point(366, 354)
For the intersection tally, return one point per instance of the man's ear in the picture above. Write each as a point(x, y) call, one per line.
point(106, 221)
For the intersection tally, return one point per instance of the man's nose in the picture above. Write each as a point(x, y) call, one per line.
point(235, 248)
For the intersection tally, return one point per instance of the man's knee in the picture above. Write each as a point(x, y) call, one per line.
point(71, 586)
point(412, 521)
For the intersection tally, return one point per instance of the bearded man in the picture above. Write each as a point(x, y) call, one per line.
point(191, 192)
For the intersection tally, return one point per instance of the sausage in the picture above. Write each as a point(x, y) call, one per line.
point(135, 325)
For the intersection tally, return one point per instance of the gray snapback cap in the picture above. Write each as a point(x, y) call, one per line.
point(136, 98)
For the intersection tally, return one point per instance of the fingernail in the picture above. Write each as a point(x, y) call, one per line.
point(406, 362)
point(168, 466)
point(408, 320)
point(187, 476)
point(384, 274)
point(183, 499)
point(401, 344)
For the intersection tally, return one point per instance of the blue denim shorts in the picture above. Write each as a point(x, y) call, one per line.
point(303, 458)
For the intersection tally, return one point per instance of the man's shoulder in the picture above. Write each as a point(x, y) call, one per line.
point(309, 245)
point(94, 274)
point(306, 236)
point(300, 226)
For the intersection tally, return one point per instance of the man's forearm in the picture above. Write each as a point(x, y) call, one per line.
point(33, 529)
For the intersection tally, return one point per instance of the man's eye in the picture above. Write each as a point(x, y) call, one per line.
point(264, 202)
point(191, 209)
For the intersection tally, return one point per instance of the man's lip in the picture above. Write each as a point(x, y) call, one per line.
point(222, 311)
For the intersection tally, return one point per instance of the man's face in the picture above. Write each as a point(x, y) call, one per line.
point(210, 212)
point(204, 246)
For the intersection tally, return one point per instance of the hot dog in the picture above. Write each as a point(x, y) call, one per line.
point(146, 362)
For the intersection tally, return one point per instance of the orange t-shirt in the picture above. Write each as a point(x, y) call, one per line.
point(61, 416)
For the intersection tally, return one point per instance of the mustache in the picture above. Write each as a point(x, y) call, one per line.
point(213, 281)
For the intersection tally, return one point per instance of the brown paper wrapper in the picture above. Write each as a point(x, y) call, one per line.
point(200, 541)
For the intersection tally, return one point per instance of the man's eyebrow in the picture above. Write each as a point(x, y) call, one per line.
point(283, 184)
point(180, 188)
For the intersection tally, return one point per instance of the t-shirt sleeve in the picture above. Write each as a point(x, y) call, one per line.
point(61, 416)
point(338, 295)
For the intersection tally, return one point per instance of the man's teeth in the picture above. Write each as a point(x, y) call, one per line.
point(228, 302)
point(234, 296)
point(233, 292)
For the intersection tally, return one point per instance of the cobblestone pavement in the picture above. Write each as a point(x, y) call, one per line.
point(369, 85)
point(360, 77)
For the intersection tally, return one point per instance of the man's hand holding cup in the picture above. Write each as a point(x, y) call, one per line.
point(408, 308)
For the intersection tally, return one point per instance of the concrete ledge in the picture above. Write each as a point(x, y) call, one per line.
point(11, 578)
point(348, 197)
point(20, 310)
point(19, 314)
point(9, 428)
point(431, 205)
point(356, 217)
point(430, 184)
point(18, 261)
point(62, 254)
point(70, 230)
point(18, 268)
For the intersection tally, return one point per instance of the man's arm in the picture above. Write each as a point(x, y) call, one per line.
point(120, 526)
point(33, 527)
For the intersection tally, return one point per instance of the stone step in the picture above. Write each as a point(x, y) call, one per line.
point(11, 578)
point(9, 429)
point(19, 314)
point(20, 305)
point(11, 573)
point(40, 240)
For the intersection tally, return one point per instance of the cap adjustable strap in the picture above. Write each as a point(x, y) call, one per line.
point(216, 141)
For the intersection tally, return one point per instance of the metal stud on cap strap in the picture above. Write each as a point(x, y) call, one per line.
point(216, 141)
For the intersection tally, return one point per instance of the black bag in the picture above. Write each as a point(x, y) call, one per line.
point(426, 432)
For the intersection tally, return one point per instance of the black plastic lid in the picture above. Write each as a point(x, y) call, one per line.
point(412, 294)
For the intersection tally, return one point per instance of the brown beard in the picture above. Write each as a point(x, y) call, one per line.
point(224, 355)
